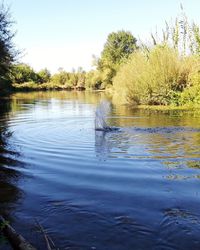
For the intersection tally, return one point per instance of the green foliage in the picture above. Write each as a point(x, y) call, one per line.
point(24, 78)
point(61, 78)
point(167, 72)
point(44, 75)
point(93, 80)
point(7, 49)
point(156, 78)
point(190, 96)
point(77, 78)
point(23, 73)
point(27, 86)
point(74, 79)
point(118, 47)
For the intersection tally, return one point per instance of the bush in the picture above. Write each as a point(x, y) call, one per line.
point(93, 80)
point(155, 78)
point(22, 73)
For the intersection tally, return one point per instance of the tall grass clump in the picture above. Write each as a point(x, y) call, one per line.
point(165, 72)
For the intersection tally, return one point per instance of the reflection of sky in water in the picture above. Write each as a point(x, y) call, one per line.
point(140, 183)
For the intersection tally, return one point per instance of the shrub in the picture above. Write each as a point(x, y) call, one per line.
point(157, 77)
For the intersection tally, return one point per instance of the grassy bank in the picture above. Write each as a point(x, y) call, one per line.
point(32, 86)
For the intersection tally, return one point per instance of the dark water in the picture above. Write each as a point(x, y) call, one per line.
point(136, 188)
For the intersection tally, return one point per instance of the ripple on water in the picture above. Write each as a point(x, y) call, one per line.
point(123, 189)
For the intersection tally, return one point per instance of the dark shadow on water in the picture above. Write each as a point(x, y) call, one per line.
point(10, 194)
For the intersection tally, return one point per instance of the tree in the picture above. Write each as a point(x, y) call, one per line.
point(61, 78)
point(22, 73)
point(118, 47)
point(80, 78)
point(44, 76)
point(7, 49)
point(93, 80)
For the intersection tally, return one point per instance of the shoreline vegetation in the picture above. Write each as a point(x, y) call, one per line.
point(164, 72)
point(161, 75)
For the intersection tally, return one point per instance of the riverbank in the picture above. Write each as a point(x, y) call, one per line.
point(34, 89)
point(32, 86)
point(190, 108)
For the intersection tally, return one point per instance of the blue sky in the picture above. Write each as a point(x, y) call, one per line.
point(66, 33)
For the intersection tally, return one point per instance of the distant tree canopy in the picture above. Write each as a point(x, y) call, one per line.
point(23, 73)
point(44, 76)
point(7, 48)
point(118, 47)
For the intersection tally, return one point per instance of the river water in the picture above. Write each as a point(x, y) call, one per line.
point(134, 188)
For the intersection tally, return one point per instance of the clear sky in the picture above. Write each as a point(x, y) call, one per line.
point(66, 33)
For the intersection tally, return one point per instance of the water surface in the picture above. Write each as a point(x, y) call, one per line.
point(135, 188)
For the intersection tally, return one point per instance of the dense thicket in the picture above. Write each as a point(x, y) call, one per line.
point(166, 72)
point(25, 78)
point(159, 77)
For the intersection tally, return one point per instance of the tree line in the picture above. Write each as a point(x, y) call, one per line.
point(166, 71)
point(117, 49)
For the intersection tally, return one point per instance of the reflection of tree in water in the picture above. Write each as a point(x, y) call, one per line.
point(176, 169)
point(9, 192)
point(177, 148)
point(81, 96)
